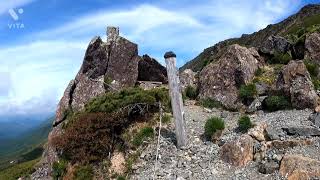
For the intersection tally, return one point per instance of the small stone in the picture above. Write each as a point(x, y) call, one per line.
point(268, 167)
point(207, 110)
point(258, 131)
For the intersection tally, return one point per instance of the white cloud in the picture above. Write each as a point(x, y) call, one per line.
point(40, 71)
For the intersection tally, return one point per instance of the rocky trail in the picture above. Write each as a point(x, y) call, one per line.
point(201, 158)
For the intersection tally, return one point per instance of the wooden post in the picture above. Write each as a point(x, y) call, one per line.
point(176, 99)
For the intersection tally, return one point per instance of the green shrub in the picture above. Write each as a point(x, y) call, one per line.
point(244, 123)
point(316, 83)
point(166, 118)
point(112, 102)
point(121, 178)
point(248, 92)
point(312, 67)
point(259, 72)
point(280, 58)
point(143, 134)
point(274, 103)
point(59, 169)
point(83, 173)
point(191, 92)
point(213, 125)
point(210, 103)
point(107, 80)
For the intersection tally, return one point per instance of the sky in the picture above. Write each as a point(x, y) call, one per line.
point(42, 42)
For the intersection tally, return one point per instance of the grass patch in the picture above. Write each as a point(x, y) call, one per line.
point(213, 125)
point(247, 93)
point(274, 103)
point(280, 58)
point(83, 173)
point(210, 103)
point(59, 169)
point(19, 170)
point(308, 23)
point(191, 92)
point(313, 70)
point(142, 135)
point(166, 118)
point(244, 123)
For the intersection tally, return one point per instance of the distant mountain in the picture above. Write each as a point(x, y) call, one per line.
point(13, 126)
point(12, 147)
point(306, 17)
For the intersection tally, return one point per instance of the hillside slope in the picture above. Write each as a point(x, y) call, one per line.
point(307, 16)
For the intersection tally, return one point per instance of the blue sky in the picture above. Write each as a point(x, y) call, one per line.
point(38, 59)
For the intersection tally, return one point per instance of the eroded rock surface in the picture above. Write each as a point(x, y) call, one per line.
point(238, 152)
point(220, 80)
point(151, 70)
point(295, 82)
point(312, 45)
point(188, 78)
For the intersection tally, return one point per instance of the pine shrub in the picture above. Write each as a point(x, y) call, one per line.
point(274, 103)
point(244, 123)
point(213, 125)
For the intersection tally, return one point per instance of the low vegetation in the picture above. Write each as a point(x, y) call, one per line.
point(83, 173)
point(210, 103)
point(244, 123)
point(166, 118)
point(191, 92)
point(313, 69)
point(19, 170)
point(59, 169)
point(280, 58)
point(247, 93)
point(142, 135)
point(212, 126)
point(274, 103)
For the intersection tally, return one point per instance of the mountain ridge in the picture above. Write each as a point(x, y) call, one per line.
point(251, 40)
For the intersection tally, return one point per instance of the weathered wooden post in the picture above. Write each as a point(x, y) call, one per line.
point(176, 98)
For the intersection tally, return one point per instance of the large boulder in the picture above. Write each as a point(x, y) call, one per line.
point(295, 82)
point(297, 167)
point(221, 80)
point(312, 45)
point(187, 78)
point(275, 44)
point(151, 70)
point(238, 152)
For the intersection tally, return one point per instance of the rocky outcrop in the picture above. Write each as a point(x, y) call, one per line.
point(107, 66)
point(151, 70)
point(220, 80)
point(295, 82)
point(297, 167)
point(312, 45)
point(275, 44)
point(188, 78)
point(238, 152)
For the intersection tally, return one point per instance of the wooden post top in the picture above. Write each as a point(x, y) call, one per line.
point(169, 54)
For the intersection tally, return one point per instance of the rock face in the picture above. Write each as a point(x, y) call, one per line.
point(115, 60)
point(187, 78)
point(312, 45)
point(238, 152)
point(151, 70)
point(297, 167)
point(275, 44)
point(220, 80)
point(295, 82)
